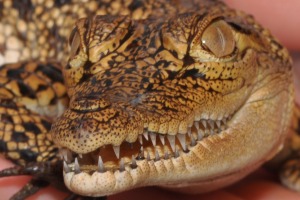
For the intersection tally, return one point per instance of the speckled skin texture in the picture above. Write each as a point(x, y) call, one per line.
point(168, 93)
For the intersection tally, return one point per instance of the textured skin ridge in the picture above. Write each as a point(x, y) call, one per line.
point(143, 74)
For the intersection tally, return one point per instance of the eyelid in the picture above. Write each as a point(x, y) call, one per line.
point(218, 38)
point(74, 42)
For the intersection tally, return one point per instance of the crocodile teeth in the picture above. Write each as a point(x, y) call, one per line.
point(176, 153)
point(100, 165)
point(157, 158)
point(153, 138)
point(224, 120)
point(122, 165)
point(162, 139)
point(193, 142)
point(117, 151)
point(189, 132)
point(166, 155)
point(218, 123)
point(77, 167)
point(182, 140)
point(204, 123)
point(141, 154)
point(148, 156)
point(66, 167)
point(66, 155)
point(145, 134)
point(171, 139)
point(200, 134)
point(211, 124)
point(196, 124)
point(133, 162)
point(141, 139)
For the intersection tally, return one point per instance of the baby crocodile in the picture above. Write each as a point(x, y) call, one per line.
point(187, 95)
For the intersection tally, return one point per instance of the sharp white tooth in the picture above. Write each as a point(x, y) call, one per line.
point(148, 156)
point(141, 139)
point(117, 151)
point(145, 134)
point(80, 155)
point(204, 123)
point(133, 162)
point(193, 142)
point(176, 153)
point(153, 138)
point(218, 123)
point(61, 155)
point(77, 167)
point(200, 135)
point(166, 155)
point(122, 166)
point(211, 124)
point(182, 140)
point(66, 167)
point(196, 124)
point(162, 139)
point(189, 131)
point(224, 126)
point(157, 158)
point(100, 165)
point(207, 131)
point(224, 120)
point(141, 154)
point(67, 155)
point(171, 139)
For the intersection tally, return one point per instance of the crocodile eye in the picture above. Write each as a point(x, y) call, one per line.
point(74, 42)
point(219, 39)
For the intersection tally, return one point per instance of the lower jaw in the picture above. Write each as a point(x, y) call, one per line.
point(173, 174)
point(190, 172)
point(153, 172)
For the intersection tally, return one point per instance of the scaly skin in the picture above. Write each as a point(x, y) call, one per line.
point(209, 87)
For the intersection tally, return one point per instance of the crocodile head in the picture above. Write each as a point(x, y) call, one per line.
point(193, 100)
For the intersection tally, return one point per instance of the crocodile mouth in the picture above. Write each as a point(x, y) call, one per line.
point(149, 146)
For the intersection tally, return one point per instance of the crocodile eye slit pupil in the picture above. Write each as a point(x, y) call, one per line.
point(218, 39)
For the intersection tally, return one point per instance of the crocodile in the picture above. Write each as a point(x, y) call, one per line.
point(105, 96)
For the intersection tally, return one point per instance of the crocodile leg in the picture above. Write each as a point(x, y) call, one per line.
point(43, 174)
point(287, 162)
point(290, 174)
point(30, 188)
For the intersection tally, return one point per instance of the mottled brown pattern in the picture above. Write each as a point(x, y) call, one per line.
point(172, 93)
